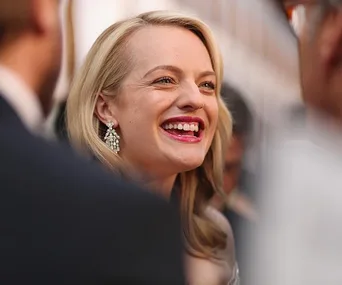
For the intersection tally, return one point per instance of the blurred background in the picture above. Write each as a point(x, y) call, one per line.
point(262, 89)
point(259, 50)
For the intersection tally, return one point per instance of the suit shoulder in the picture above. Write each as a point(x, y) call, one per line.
point(58, 167)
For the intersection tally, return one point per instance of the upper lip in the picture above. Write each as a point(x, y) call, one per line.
point(187, 119)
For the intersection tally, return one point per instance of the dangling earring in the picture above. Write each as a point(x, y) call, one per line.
point(112, 138)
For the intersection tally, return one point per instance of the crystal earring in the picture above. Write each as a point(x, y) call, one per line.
point(112, 138)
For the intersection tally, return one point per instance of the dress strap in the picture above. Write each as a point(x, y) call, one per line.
point(235, 280)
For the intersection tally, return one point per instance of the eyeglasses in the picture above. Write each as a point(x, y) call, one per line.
point(296, 10)
point(292, 5)
point(296, 14)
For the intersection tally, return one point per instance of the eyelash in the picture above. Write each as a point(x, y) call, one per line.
point(210, 84)
point(160, 80)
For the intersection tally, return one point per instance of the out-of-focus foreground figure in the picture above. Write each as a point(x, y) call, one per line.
point(300, 235)
point(64, 221)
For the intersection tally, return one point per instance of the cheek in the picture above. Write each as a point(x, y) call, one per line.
point(130, 117)
point(212, 112)
point(139, 115)
point(135, 122)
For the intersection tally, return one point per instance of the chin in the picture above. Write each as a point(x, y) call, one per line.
point(184, 155)
point(188, 162)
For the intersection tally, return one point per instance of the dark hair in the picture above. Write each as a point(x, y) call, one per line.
point(241, 113)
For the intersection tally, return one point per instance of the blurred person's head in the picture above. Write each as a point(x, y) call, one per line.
point(30, 44)
point(320, 46)
point(157, 77)
point(242, 127)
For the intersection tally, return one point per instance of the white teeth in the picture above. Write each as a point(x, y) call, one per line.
point(182, 126)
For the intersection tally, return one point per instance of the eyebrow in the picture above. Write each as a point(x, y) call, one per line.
point(177, 70)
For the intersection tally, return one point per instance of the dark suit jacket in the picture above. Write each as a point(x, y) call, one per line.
point(64, 221)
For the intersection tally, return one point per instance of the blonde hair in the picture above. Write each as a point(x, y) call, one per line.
point(104, 69)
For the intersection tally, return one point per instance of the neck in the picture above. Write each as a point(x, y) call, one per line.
point(160, 185)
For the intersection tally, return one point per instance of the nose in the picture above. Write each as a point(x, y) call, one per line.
point(190, 98)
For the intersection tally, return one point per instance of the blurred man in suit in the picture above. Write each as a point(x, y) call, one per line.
point(299, 241)
point(64, 221)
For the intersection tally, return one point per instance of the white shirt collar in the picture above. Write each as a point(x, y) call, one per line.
point(22, 99)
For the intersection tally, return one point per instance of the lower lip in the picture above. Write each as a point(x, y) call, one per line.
point(185, 138)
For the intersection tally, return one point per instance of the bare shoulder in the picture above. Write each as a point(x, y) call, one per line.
point(218, 218)
point(214, 271)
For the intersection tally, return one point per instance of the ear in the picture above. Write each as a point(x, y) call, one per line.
point(45, 15)
point(104, 110)
point(331, 39)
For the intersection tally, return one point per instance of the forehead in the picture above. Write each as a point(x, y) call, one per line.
point(168, 45)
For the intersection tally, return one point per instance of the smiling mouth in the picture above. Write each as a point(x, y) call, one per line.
point(184, 131)
point(190, 129)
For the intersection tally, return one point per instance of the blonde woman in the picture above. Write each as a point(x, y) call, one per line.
point(147, 104)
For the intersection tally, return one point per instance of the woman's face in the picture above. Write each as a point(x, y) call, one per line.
point(166, 109)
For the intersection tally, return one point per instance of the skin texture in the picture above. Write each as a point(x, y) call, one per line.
point(172, 76)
